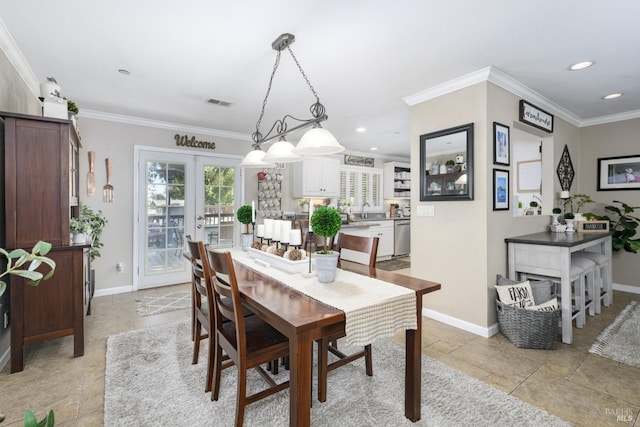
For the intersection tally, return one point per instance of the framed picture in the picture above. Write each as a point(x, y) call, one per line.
point(500, 190)
point(619, 173)
point(536, 117)
point(446, 164)
point(501, 144)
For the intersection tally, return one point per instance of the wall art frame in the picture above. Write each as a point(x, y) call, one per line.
point(536, 117)
point(619, 173)
point(501, 190)
point(453, 146)
point(501, 144)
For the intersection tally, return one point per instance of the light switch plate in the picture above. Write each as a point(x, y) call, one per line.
point(426, 210)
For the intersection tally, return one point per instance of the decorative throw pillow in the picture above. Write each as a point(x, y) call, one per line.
point(518, 295)
point(551, 305)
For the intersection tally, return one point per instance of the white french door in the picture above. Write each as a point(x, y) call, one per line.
point(182, 195)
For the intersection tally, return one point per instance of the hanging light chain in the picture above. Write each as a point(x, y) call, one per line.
point(257, 136)
point(303, 74)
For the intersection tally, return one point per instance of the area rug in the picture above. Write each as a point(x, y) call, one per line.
point(621, 340)
point(393, 264)
point(171, 301)
point(150, 381)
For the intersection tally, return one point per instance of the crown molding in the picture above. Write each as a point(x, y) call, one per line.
point(501, 79)
point(139, 121)
point(629, 115)
point(17, 59)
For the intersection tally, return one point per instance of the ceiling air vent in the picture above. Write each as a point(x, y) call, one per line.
point(219, 102)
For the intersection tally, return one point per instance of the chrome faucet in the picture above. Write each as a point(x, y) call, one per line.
point(363, 214)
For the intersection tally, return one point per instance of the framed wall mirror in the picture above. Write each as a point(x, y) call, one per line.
point(446, 164)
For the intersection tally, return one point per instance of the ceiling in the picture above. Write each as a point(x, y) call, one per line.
point(361, 56)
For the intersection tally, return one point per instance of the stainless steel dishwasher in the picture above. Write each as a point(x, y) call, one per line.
point(402, 237)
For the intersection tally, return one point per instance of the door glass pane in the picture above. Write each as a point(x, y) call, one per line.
point(165, 192)
point(219, 214)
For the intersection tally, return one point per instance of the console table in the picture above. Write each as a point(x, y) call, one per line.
point(549, 254)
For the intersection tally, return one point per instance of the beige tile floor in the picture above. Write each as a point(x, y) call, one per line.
point(579, 387)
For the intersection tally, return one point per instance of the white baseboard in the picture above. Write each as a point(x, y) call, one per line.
point(626, 288)
point(113, 291)
point(461, 324)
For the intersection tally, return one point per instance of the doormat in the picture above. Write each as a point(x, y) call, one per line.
point(620, 341)
point(178, 300)
point(393, 264)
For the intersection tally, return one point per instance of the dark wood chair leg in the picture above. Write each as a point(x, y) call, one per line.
point(196, 344)
point(368, 360)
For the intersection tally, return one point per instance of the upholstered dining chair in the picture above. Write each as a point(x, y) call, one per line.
point(356, 249)
point(248, 341)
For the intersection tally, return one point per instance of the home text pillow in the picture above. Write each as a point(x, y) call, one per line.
point(516, 295)
point(551, 305)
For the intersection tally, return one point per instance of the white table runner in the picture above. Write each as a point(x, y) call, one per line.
point(373, 308)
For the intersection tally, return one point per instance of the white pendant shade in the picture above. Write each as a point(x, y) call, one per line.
point(318, 141)
point(281, 152)
point(255, 159)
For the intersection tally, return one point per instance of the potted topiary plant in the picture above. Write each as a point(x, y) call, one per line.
point(245, 216)
point(568, 219)
point(534, 207)
point(325, 222)
point(581, 200)
point(555, 215)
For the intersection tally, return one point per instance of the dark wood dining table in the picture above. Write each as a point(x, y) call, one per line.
point(303, 319)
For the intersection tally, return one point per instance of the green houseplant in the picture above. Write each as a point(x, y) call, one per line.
point(325, 222)
point(90, 224)
point(245, 216)
point(623, 227)
point(95, 221)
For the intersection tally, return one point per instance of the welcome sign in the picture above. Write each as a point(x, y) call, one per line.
point(535, 116)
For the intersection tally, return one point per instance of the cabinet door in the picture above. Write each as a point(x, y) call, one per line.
point(316, 177)
point(36, 182)
point(384, 233)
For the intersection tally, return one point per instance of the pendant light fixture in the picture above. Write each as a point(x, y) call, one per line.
point(315, 141)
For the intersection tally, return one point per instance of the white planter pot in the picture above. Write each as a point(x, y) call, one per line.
point(79, 239)
point(326, 265)
point(245, 241)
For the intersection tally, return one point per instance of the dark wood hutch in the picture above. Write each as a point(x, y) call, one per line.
point(40, 158)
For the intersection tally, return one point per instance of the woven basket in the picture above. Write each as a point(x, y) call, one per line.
point(528, 328)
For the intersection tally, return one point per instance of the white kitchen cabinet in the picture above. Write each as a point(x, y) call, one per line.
point(316, 177)
point(397, 180)
point(384, 232)
point(361, 184)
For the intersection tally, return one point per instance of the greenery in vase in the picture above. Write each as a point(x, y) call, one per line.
point(71, 106)
point(533, 204)
point(623, 227)
point(569, 215)
point(556, 210)
point(326, 222)
point(244, 215)
point(580, 199)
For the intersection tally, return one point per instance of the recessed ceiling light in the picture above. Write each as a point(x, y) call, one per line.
point(374, 148)
point(612, 96)
point(581, 65)
point(124, 72)
point(361, 129)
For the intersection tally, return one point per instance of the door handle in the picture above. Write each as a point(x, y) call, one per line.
point(199, 226)
point(200, 217)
